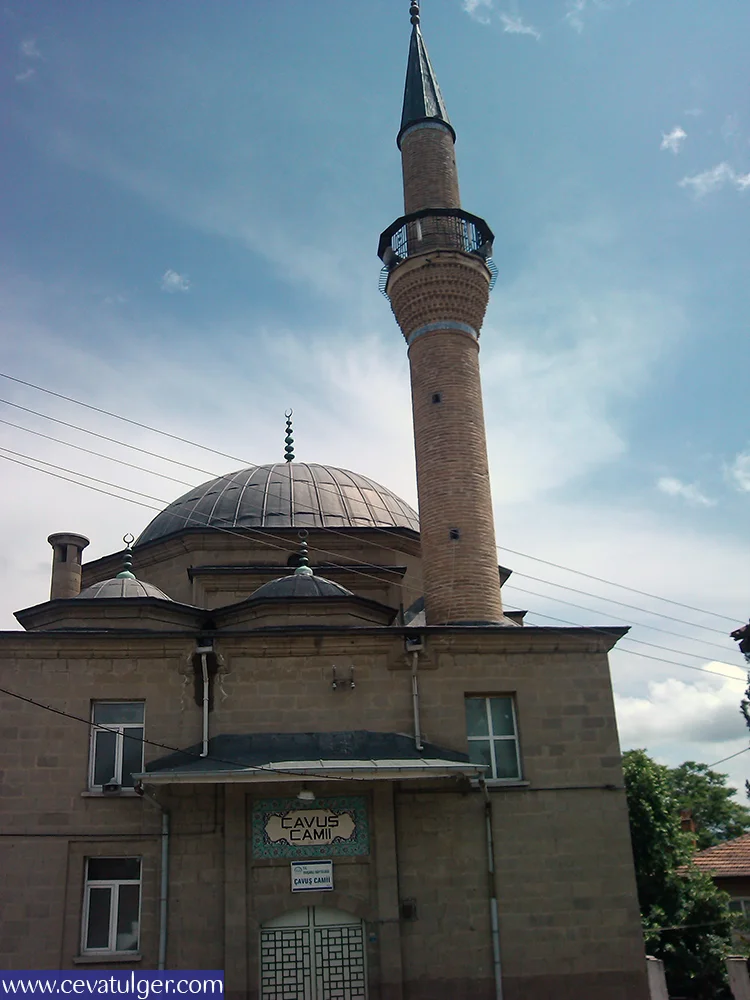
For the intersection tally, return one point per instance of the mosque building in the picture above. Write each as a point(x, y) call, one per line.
point(291, 731)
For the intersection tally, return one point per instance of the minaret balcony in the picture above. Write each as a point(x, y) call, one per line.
point(431, 230)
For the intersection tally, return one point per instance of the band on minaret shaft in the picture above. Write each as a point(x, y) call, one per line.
point(439, 297)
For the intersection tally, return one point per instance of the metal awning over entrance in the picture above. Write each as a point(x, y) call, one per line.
point(264, 757)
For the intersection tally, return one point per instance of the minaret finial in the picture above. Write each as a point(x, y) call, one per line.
point(423, 101)
point(289, 439)
point(303, 569)
point(126, 573)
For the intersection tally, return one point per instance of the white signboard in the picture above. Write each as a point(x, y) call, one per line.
point(312, 876)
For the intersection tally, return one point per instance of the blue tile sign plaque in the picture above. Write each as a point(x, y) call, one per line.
point(288, 828)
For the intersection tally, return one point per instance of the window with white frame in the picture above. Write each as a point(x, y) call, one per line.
point(116, 743)
point(493, 735)
point(111, 905)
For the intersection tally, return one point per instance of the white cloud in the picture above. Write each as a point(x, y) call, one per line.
point(673, 140)
point(739, 472)
point(29, 49)
point(706, 710)
point(715, 179)
point(693, 112)
point(688, 491)
point(555, 368)
point(574, 15)
point(579, 9)
point(478, 9)
point(25, 75)
point(515, 25)
point(173, 281)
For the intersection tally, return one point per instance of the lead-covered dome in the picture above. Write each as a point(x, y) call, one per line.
point(121, 586)
point(284, 495)
point(299, 586)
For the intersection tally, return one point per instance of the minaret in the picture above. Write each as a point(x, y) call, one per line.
point(437, 261)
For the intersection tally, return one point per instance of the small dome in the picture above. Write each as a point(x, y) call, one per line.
point(284, 495)
point(122, 586)
point(299, 585)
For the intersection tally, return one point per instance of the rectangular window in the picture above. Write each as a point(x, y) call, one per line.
point(740, 905)
point(111, 905)
point(116, 743)
point(493, 736)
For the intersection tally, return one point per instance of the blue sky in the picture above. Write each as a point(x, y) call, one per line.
point(192, 200)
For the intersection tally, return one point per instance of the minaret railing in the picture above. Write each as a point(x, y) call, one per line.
point(433, 229)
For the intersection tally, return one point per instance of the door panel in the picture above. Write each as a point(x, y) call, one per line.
point(313, 954)
point(285, 966)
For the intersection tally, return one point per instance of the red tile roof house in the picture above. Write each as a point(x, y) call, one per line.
point(728, 864)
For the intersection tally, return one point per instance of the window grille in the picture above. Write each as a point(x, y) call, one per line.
point(285, 966)
point(340, 963)
point(313, 954)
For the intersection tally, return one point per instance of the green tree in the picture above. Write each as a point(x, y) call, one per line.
point(686, 920)
point(742, 636)
point(717, 816)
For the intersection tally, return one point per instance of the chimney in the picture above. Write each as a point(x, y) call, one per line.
point(67, 549)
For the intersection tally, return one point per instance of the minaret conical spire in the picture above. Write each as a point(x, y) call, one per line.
point(423, 101)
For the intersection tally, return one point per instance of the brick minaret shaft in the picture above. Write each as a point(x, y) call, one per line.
point(438, 285)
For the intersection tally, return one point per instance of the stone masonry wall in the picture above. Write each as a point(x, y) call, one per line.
point(565, 880)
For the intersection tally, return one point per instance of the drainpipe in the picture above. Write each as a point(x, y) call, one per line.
point(164, 875)
point(415, 699)
point(492, 886)
point(164, 889)
point(204, 651)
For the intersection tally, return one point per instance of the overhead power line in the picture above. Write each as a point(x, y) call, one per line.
point(632, 607)
point(165, 746)
point(611, 583)
point(593, 611)
point(730, 757)
point(105, 437)
point(98, 454)
point(214, 451)
point(118, 416)
point(83, 475)
point(321, 488)
point(265, 535)
point(634, 652)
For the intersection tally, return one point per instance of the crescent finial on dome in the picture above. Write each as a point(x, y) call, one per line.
point(289, 439)
point(126, 573)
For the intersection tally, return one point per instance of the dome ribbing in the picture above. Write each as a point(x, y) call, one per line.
point(284, 495)
point(121, 587)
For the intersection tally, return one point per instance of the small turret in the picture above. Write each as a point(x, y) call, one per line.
point(67, 551)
